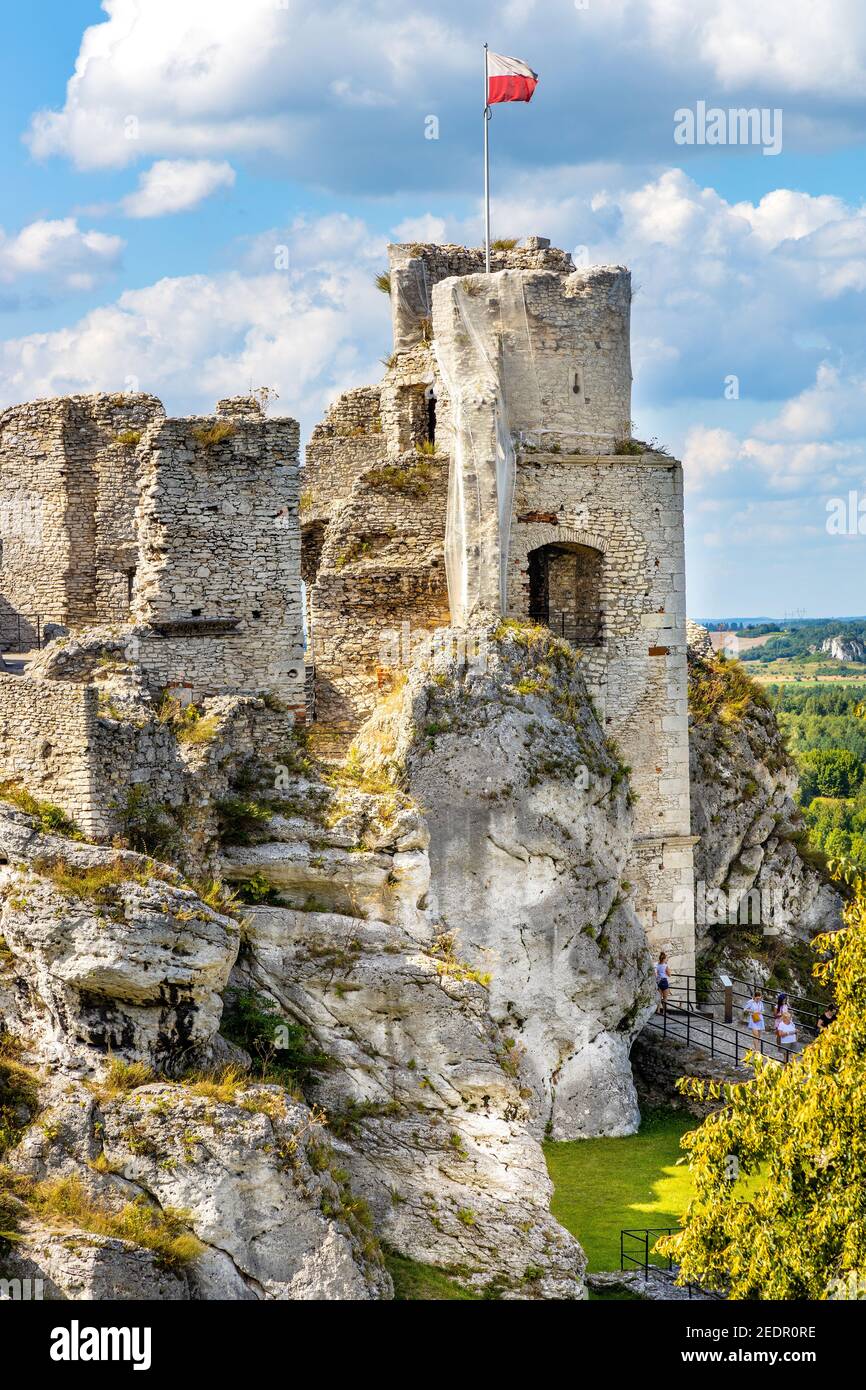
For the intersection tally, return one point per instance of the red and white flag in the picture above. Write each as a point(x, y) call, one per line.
point(508, 79)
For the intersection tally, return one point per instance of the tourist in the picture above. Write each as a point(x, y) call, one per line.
point(662, 981)
point(780, 1006)
point(826, 1018)
point(786, 1030)
point(754, 1014)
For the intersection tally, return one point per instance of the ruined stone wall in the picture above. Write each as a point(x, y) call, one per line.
point(348, 441)
point(68, 491)
point(525, 357)
point(556, 348)
point(416, 268)
point(219, 575)
point(47, 731)
point(380, 586)
point(629, 510)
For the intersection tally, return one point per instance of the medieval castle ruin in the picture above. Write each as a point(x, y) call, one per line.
point(491, 475)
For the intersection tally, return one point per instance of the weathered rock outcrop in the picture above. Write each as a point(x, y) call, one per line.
point(755, 892)
point(109, 953)
point(245, 1166)
point(79, 1264)
point(423, 1096)
point(845, 648)
point(530, 827)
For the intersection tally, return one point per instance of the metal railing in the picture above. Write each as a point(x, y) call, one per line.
point(581, 629)
point(681, 1022)
point(638, 1251)
point(24, 632)
point(805, 1011)
point(718, 1039)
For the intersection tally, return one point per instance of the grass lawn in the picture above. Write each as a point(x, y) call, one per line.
point(604, 1185)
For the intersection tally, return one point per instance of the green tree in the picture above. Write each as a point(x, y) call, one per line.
point(799, 1231)
point(829, 772)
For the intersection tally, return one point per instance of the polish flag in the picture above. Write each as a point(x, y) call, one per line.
point(509, 80)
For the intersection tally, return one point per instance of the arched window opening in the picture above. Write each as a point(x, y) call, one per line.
point(565, 592)
point(430, 402)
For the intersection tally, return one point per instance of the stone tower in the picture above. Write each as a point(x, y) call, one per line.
point(493, 473)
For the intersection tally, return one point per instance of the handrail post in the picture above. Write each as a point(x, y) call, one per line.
point(712, 1037)
point(729, 1003)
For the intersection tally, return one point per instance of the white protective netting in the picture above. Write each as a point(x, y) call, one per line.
point(480, 354)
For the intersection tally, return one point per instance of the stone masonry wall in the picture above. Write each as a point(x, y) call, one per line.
point(629, 509)
point(47, 731)
point(416, 268)
point(219, 575)
point(380, 585)
point(68, 491)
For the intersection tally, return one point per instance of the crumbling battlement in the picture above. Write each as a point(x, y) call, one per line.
point(114, 514)
point(68, 494)
point(415, 268)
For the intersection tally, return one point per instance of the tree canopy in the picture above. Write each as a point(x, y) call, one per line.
point(799, 1231)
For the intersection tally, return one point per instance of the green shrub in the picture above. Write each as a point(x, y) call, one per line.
point(99, 884)
point(163, 1230)
point(256, 891)
point(208, 436)
point(239, 819)
point(281, 1051)
point(18, 1095)
point(148, 826)
point(128, 439)
point(50, 819)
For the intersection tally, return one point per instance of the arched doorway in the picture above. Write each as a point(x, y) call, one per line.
point(565, 591)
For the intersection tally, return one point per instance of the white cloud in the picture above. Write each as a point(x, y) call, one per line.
point(794, 44)
point(784, 215)
point(313, 89)
point(176, 185)
point(52, 255)
point(308, 332)
point(707, 453)
point(199, 77)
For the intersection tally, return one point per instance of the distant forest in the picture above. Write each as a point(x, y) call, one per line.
point(827, 740)
point(796, 642)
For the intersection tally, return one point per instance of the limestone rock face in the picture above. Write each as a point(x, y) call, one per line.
point(742, 797)
point(530, 835)
point(422, 1094)
point(108, 952)
point(249, 1178)
point(244, 1163)
point(845, 648)
point(78, 1264)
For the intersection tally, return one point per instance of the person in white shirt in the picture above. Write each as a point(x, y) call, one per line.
point(786, 1029)
point(754, 1014)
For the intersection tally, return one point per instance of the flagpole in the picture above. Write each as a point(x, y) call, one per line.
point(487, 158)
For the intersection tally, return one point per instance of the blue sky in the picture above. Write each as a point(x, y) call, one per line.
point(156, 153)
